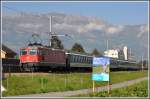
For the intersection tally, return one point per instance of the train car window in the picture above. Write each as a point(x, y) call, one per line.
point(72, 58)
point(81, 59)
point(23, 52)
point(89, 60)
point(85, 59)
point(76, 58)
point(33, 52)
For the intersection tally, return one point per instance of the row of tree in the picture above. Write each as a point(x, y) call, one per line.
point(77, 47)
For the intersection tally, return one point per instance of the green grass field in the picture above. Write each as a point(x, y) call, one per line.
point(16, 85)
point(136, 90)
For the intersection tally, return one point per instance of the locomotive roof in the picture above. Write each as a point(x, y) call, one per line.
point(37, 47)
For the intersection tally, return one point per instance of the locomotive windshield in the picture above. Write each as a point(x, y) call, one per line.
point(33, 52)
point(23, 52)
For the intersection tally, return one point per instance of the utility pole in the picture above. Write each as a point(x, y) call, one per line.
point(51, 34)
point(130, 55)
point(107, 45)
point(142, 63)
point(50, 31)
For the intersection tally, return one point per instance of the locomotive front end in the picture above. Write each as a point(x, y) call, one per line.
point(29, 58)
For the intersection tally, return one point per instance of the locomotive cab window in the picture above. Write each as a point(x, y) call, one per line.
point(33, 52)
point(23, 52)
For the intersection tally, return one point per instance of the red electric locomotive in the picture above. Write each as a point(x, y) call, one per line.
point(37, 57)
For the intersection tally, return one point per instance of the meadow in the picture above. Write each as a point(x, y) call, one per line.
point(136, 90)
point(53, 82)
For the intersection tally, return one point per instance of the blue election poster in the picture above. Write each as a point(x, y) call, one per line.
point(100, 69)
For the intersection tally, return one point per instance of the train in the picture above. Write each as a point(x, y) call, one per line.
point(36, 57)
point(41, 58)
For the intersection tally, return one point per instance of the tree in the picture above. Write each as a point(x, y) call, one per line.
point(78, 48)
point(96, 52)
point(56, 43)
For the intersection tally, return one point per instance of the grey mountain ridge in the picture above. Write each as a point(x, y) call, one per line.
point(95, 31)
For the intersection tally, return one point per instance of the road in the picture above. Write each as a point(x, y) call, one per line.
point(84, 91)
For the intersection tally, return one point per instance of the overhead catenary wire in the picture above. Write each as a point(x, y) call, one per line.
point(25, 13)
point(35, 15)
point(38, 16)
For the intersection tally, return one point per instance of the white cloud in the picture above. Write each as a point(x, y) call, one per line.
point(84, 25)
point(29, 25)
point(94, 26)
point(114, 29)
point(81, 28)
point(143, 29)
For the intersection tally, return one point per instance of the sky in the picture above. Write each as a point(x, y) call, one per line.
point(124, 13)
point(122, 23)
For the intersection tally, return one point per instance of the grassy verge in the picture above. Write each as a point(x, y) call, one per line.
point(136, 90)
point(16, 85)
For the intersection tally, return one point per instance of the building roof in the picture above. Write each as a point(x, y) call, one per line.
point(8, 50)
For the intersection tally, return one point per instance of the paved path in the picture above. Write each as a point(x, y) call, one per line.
point(85, 91)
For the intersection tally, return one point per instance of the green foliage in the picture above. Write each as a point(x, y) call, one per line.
point(78, 48)
point(19, 85)
point(96, 52)
point(56, 43)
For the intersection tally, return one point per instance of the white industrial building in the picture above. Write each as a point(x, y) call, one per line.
point(111, 53)
point(115, 53)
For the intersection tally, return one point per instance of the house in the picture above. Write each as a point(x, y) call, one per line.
point(7, 52)
point(3, 53)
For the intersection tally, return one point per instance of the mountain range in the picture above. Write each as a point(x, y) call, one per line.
point(91, 32)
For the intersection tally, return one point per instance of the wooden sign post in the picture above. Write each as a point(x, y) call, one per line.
point(109, 88)
point(93, 87)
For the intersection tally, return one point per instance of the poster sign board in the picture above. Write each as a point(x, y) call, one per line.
point(100, 68)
